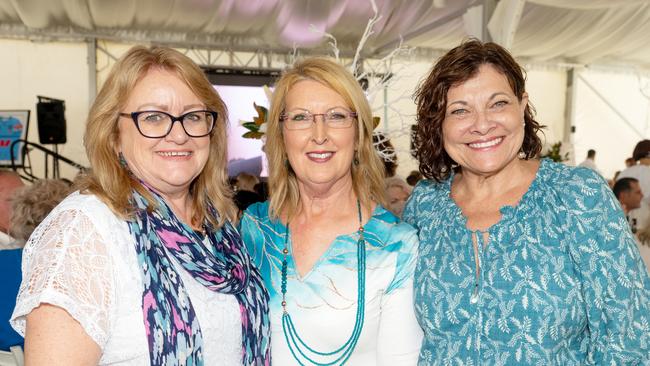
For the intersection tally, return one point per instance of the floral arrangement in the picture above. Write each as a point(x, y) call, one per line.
point(257, 127)
point(554, 153)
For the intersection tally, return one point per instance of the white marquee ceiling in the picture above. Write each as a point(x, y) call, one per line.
point(574, 31)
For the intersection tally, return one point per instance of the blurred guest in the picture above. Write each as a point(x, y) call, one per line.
point(30, 205)
point(397, 192)
point(521, 261)
point(33, 203)
point(10, 261)
point(262, 189)
point(413, 178)
point(143, 266)
point(628, 192)
point(641, 172)
point(244, 198)
point(246, 182)
point(9, 182)
point(590, 161)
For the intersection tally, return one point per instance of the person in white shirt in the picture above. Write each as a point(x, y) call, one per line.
point(641, 172)
point(143, 265)
point(590, 161)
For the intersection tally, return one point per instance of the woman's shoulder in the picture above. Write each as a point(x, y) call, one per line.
point(568, 179)
point(84, 202)
point(390, 229)
point(429, 191)
point(575, 187)
point(86, 211)
point(257, 211)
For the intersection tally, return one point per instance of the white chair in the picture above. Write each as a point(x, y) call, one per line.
point(14, 357)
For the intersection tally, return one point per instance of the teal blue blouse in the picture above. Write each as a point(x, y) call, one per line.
point(561, 280)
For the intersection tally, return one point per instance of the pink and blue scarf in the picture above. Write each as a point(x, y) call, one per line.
point(172, 328)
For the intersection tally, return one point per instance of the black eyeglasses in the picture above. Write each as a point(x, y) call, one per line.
point(157, 124)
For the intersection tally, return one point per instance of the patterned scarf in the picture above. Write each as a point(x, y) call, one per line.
point(173, 331)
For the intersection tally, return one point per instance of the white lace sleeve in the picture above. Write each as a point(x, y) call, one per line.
point(66, 263)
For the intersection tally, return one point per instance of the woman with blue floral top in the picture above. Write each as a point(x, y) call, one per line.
point(521, 261)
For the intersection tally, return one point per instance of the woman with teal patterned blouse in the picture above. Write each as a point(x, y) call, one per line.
point(521, 261)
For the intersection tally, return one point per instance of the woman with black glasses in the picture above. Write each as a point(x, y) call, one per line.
point(337, 264)
point(143, 264)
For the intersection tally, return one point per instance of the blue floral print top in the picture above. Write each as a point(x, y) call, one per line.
point(561, 281)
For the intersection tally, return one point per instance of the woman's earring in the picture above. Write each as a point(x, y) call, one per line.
point(443, 169)
point(122, 160)
point(356, 158)
point(521, 155)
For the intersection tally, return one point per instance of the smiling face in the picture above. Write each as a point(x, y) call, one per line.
point(168, 164)
point(320, 156)
point(483, 129)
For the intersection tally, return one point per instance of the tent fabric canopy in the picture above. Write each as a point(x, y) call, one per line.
point(573, 31)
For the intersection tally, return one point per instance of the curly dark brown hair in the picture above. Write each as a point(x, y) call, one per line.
point(457, 66)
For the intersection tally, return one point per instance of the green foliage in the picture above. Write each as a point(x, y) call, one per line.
point(554, 153)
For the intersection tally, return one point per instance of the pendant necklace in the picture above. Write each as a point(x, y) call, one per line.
point(296, 344)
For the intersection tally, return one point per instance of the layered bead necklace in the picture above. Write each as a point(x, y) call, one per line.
point(295, 343)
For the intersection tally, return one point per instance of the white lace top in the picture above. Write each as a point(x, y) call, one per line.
point(82, 259)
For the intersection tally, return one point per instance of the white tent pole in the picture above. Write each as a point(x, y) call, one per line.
point(487, 11)
point(476, 20)
point(92, 69)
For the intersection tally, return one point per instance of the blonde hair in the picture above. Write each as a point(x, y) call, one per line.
point(246, 182)
point(367, 175)
point(31, 204)
point(110, 181)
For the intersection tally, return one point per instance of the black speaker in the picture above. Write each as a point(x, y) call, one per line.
point(50, 114)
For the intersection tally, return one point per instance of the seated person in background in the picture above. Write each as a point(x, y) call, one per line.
point(245, 194)
point(245, 198)
point(262, 188)
point(641, 172)
point(629, 195)
point(413, 178)
point(10, 260)
point(397, 192)
point(9, 182)
point(29, 206)
point(246, 182)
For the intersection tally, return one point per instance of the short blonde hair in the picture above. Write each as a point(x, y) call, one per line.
point(367, 175)
point(246, 182)
point(109, 180)
point(31, 204)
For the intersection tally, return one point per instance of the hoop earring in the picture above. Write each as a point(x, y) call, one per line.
point(355, 161)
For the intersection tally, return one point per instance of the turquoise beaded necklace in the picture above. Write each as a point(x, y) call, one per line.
point(293, 339)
